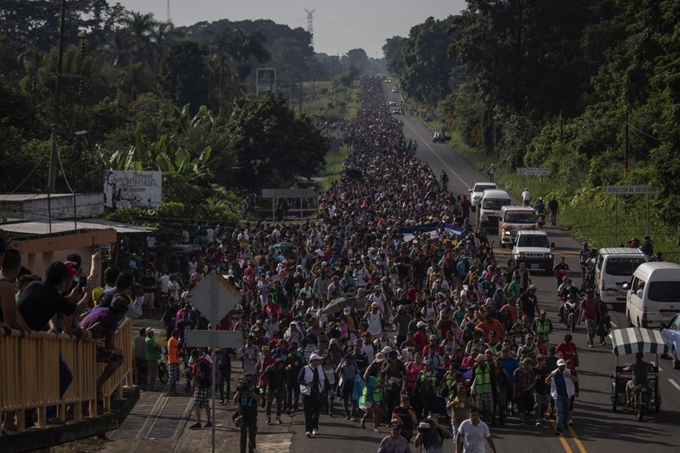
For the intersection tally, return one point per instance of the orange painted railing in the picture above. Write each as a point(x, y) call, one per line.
point(29, 374)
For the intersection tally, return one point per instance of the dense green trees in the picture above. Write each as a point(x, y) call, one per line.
point(151, 97)
point(555, 84)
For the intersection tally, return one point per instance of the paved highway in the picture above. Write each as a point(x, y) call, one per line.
point(596, 428)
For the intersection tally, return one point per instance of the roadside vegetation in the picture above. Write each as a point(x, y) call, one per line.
point(584, 89)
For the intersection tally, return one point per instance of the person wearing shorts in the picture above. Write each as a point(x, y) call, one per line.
point(173, 362)
point(202, 385)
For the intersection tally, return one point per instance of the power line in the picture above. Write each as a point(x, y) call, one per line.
point(63, 172)
point(644, 133)
point(19, 145)
point(358, 26)
point(29, 175)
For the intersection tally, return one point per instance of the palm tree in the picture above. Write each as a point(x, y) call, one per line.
point(241, 47)
point(141, 27)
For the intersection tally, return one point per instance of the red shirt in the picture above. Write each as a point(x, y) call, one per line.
point(465, 204)
point(566, 351)
point(420, 339)
point(589, 307)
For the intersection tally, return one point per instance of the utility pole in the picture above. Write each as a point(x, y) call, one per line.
point(52, 180)
point(625, 149)
point(221, 74)
point(561, 128)
point(301, 93)
point(310, 25)
point(52, 174)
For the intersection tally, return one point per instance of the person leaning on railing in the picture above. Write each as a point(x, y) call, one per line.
point(40, 303)
point(10, 318)
point(102, 322)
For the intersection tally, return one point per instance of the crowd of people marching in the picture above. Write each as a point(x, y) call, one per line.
point(381, 313)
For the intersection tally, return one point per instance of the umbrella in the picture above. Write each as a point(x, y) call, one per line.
point(338, 304)
point(633, 340)
point(284, 246)
point(354, 174)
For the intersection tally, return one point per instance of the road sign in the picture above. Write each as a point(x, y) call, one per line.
point(532, 171)
point(203, 338)
point(632, 190)
point(214, 297)
point(475, 136)
point(265, 80)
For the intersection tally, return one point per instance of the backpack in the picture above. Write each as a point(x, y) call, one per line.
point(426, 386)
point(208, 377)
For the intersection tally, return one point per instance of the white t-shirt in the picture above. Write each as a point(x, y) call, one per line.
point(474, 437)
point(165, 279)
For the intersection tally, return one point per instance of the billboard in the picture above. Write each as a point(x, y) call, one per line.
point(137, 189)
point(265, 81)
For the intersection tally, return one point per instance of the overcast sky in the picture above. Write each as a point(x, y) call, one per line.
point(339, 25)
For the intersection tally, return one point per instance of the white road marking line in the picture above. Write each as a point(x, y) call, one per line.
point(438, 156)
point(613, 324)
point(675, 384)
point(660, 369)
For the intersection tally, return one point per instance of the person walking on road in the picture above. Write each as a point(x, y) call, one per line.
point(312, 382)
point(472, 433)
point(554, 208)
point(395, 442)
point(589, 308)
point(526, 197)
point(561, 389)
point(247, 397)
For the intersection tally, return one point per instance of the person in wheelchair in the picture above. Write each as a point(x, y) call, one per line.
point(640, 370)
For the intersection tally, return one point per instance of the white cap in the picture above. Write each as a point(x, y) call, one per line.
point(561, 362)
point(315, 356)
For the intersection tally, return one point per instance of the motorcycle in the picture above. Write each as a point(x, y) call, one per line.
point(570, 314)
point(541, 219)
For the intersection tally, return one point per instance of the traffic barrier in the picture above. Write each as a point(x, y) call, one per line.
point(29, 375)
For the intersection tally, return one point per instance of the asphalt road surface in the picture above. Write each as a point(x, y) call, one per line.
point(597, 429)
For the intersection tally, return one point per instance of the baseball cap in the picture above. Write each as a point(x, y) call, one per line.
point(150, 330)
point(315, 357)
point(421, 324)
point(561, 362)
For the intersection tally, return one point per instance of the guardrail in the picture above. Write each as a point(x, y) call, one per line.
point(29, 374)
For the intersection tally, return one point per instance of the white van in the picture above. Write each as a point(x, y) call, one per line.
point(490, 207)
point(614, 268)
point(653, 295)
point(513, 219)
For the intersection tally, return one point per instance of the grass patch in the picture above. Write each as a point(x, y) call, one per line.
point(332, 171)
point(331, 101)
point(589, 215)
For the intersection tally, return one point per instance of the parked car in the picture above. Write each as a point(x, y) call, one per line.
point(671, 337)
point(395, 90)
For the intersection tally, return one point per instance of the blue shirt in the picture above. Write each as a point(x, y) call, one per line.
point(510, 365)
point(560, 384)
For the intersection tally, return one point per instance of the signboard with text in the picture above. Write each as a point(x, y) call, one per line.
point(136, 189)
point(631, 190)
point(265, 81)
point(532, 171)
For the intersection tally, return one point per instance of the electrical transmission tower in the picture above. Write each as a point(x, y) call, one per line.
point(310, 25)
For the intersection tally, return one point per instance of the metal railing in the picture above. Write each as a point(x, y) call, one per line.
point(29, 374)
